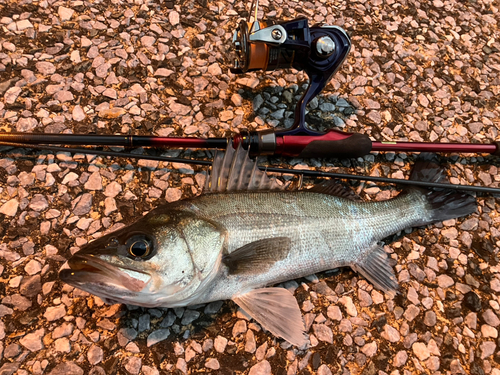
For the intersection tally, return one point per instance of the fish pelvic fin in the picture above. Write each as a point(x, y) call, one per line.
point(277, 310)
point(235, 171)
point(373, 264)
point(442, 204)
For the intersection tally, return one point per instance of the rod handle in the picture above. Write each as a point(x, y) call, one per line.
point(334, 144)
point(497, 151)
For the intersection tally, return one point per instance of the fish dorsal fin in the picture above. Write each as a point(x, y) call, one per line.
point(336, 189)
point(235, 171)
point(257, 256)
point(277, 310)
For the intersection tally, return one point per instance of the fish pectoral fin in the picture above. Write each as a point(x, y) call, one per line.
point(277, 310)
point(373, 264)
point(257, 256)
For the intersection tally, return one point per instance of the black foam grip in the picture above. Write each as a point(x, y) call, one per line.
point(354, 146)
point(497, 152)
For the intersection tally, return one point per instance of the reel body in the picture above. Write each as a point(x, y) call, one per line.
point(319, 50)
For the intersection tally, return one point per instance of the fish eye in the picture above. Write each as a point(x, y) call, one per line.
point(139, 246)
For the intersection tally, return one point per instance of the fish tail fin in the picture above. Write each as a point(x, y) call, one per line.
point(442, 204)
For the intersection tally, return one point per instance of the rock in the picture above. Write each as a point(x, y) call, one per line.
point(324, 370)
point(157, 336)
point(261, 368)
point(45, 67)
point(64, 96)
point(33, 341)
point(374, 116)
point(95, 355)
point(173, 17)
point(173, 194)
point(147, 370)
point(66, 368)
point(111, 113)
point(11, 351)
point(349, 305)
point(33, 267)
point(163, 72)
point(369, 349)
point(181, 365)
point(250, 344)
point(148, 41)
point(214, 70)
point(475, 127)
point(64, 330)
point(24, 24)
point(65, 14)
point(489, 331)
point(391, 334)
point(491, 318)
point(179, 109)
point(257, 102)
point(125, 335)
point(472, 302)
point(430, 318)
point(239, 328)
point(83, 205)
point(445, 281)
point(212, 364)
point(364, 298)
point(11, 94)
point(133, 365)
point(220, 344)
point(10, 207)
point(334, 313)
point(411, 312)
point(487, 349)
point(26, 124)
point(9, 368)
point(30, 286)
point(54, 312)
point(323, 333)
point(422, 99)
point(39, 203)
point(400, 358)
point(421, 351)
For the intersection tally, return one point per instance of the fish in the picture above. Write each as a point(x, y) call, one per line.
point(244, 235)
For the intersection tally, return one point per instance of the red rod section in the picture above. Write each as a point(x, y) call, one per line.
point(434, 147)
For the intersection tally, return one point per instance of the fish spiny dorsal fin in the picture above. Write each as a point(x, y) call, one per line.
point(235, 171)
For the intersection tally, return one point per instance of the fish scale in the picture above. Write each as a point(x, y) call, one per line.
point(326, 231)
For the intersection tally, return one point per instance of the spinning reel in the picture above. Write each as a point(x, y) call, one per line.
point(318, 50)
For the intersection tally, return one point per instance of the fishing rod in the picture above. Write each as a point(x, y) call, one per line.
point(319, 51)
point(308, 144)
point(303, 172)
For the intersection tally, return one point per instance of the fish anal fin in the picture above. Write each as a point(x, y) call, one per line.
point(373, 264)
point(258, 256)
point(336, 189)
point(277, 310)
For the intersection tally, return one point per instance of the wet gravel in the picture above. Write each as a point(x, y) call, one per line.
point(417, 71)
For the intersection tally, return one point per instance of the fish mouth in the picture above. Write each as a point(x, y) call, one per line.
point(90, 273)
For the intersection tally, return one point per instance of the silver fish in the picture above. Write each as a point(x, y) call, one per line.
point(242, 236)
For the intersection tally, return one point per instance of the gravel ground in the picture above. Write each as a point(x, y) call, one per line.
point(417, 71)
